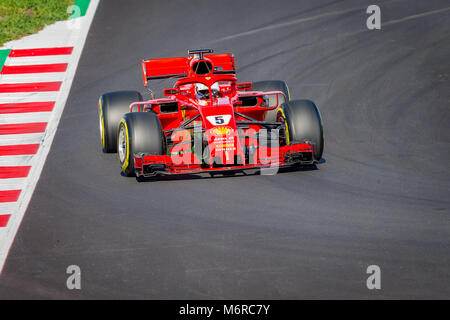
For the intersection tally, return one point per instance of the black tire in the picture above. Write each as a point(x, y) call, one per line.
point(112, 106)
point(141, 133)
point(303, 122)
point(272, 85)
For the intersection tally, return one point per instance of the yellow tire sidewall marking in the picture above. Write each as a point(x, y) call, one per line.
point(126, 162)
point(284, 116)
point(103, 123)
point(285, 124)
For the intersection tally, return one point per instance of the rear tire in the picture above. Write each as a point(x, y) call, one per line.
point(303, 123)
point(138, 132)
point(112, 106)
point(272, 85)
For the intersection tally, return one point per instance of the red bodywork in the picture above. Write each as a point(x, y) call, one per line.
point(226, 130)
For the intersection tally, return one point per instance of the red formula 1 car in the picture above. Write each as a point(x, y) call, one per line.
point(208, 122)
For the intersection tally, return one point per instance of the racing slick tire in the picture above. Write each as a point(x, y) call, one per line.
point(272, 85)
point(138, 132)
point(111, 107)
point(303, 123)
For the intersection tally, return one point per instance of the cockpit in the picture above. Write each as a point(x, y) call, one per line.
point(201, 91)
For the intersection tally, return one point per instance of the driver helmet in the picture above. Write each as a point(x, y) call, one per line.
point(201, 91)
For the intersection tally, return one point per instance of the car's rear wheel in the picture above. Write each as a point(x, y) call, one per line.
point(303, 123)
point(111, 107)
point(138, 132)
point(272, 85)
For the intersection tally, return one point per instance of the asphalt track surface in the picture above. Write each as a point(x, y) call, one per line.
point(381, 196)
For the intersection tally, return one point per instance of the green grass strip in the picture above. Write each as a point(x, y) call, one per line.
point(3, 55)
point(23, 17)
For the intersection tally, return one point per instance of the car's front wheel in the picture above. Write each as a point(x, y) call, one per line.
point(138, 132)
point(303, 123)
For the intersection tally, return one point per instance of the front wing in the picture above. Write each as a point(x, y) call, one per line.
point(148, 165)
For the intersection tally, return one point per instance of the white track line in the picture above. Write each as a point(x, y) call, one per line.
point(324, 15)
point(414, 16)
point(294, 22)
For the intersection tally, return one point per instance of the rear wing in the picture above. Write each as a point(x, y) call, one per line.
point(153, 69)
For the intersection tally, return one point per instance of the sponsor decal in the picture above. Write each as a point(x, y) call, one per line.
point(222, 131)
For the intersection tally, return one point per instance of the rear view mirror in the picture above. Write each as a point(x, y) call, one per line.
point(169, 92)
point(273, 101)
point(244, 86)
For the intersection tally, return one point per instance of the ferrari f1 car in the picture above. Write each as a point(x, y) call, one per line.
point(207, 122)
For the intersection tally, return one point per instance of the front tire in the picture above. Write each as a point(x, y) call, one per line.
point(138, 132)
point(303, 123)
point(111, 107)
